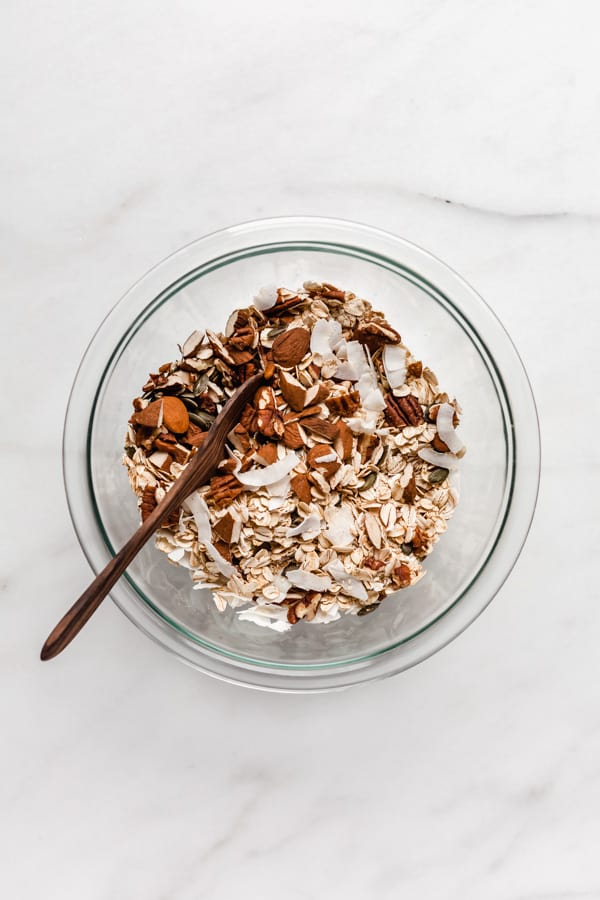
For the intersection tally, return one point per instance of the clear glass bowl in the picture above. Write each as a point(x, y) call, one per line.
point(442, 320)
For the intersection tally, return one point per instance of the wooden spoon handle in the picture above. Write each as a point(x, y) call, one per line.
point(74, 620)
point(196, 474)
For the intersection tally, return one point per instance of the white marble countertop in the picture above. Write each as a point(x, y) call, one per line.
point(471, 129)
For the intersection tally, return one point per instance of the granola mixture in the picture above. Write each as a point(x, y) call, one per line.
point(339, 478)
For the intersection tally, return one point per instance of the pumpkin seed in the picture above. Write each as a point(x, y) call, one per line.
point(365, 610)
point(369, 481)
point(201, 383)
point(437, 476)
point(273, 332)
point(202, 418)
point(190, 402)
point(407, 549)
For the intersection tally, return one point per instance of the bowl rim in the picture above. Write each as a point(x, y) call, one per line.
point(371, 241)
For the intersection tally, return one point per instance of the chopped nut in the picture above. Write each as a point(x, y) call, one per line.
point(414, 369)
point(292, 391)
point(410, 491)
point(301, 487)
point(344, 442)
point(344, 404)
point(267, 454)
point(223, 527)
point(292, 438)
point(375, 335)
point(320, 452)
point(321, 427)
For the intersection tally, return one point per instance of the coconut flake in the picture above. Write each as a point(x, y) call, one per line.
point(280, 490)
point(329, 614)
point(308, 581)
point(224, 567)
point(341, 526)
point(268, 475)
point(197, 506)
point(350, 585)
point(267, 616)
point(266, 297)
point(310, 523)
point(394, 364)
point(445, 428)
point(326, 458)
point(441, 460)
point(177, 554)
point(365, 423)
point(325, 336)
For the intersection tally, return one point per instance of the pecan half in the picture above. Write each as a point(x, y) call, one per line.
point(343, 404)
point(282, 307)
point(224, 489)
point(403, 411)
point(194, 436)
point(148, 504)
point(374, 564)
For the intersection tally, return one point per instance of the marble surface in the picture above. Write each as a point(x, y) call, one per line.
point(132, 128)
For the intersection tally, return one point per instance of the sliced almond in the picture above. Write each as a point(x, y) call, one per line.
point(373, 529)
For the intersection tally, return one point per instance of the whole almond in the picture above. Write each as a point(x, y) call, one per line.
point(290, 347)
point(175, 415)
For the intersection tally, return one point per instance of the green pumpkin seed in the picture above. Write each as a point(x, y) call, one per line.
point(201, 383)
point(365, 610)
point(437, 476)
point(407, 549)
point(369, 481)
point(201, 418)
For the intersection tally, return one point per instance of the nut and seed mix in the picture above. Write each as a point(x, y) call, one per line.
point(339, 477)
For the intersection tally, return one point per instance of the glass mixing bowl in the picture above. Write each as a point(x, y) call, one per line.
point(442, 320)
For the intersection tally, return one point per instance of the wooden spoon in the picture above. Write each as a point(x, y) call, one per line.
point(197, 472)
